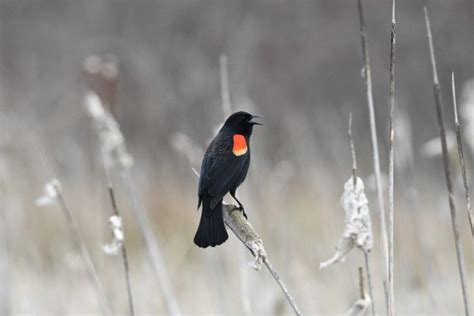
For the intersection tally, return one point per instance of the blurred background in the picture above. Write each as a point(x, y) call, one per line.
point(298, 64)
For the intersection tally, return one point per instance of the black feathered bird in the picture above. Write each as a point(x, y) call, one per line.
point(223, 169)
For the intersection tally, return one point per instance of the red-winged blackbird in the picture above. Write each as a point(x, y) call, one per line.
point(223, 169)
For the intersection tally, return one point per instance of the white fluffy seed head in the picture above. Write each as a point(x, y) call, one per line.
point(358, 227)
point(94, 106)
point(111, 138)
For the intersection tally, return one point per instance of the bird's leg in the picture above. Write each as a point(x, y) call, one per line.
point(241, 206)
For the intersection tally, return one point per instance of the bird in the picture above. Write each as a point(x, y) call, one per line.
point(223, 169)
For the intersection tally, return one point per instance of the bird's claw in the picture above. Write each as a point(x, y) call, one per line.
point(241, 208)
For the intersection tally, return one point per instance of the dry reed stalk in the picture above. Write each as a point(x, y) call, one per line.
point(244, 231)
point(361, 283)
point(79, 239)
point(353, 154)
point(373, 132)
point(113, 144)
point(366, 254)
point(4, 230)
point(53, 189)
point(447, 172)
point(4, 256)
point(123, 249)
point(359, 308)
point(391, 170)
point(461, 158)
point(151, 243)
point(369, 282)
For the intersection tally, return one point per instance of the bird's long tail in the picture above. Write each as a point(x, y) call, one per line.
point(211, 230)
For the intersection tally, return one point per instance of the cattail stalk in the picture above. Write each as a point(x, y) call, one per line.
point(461, 158)
point(123, 249)
point(354, 176)
point(360, 306)
point(79, 241)
point(391, 170)
point(353, 154)
point(361, 283)
point(151, 243)
point(244, 231)
point(447, 172)
point(373, 132)
point(4, 231)
point(4, 256)
point(113, 144)
point(369, 282)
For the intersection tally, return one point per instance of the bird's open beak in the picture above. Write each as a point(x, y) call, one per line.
point(254, 122)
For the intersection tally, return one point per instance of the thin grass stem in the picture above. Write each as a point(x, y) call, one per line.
point(80, 243)
point(461, 159)
point(354, 175)
point(373, 132)
point(391, 170)
point(446, 164)
point(123, 249)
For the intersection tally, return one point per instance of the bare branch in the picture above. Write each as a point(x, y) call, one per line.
point(447, 172)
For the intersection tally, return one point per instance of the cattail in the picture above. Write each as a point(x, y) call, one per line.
point(358, 227)
point(115, 153)
point(111, 139)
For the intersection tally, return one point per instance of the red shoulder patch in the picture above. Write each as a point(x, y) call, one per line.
point(240, 145)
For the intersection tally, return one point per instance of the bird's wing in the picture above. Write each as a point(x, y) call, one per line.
point(220, 169)
point(225, 174)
